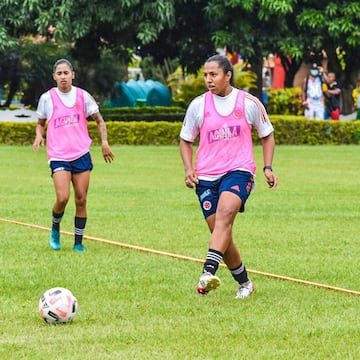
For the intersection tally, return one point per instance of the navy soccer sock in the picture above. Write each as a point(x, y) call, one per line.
point(212, 261)
point(56, 219)
point(240, 274)
point(79, 229)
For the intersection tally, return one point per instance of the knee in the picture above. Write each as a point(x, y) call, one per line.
point(80, 201)
point(226, 215)
point(62, 200)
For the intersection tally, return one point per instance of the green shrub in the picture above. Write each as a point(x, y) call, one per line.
point(286, 101)
point(17, 133)
point(147, 113)
point(139, 132)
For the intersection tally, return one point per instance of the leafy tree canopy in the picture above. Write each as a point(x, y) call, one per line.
point(301, 29)
point(191, 30)
point(116, 24)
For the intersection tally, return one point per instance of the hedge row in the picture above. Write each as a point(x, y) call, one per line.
point(131, 133)
point(288, 130)
point(148, 113)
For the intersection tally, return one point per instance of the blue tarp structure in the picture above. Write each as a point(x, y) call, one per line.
point(122, 96)
point(159, 95)
point(140, 93)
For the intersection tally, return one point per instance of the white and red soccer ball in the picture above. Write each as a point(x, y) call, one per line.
point(58, 306)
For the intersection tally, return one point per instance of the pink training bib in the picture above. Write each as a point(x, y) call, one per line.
point(225, 141)
point(67, 130)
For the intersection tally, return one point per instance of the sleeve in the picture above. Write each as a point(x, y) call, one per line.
point(44, 108)
point(91, 106)
point(193, 119)
point(257, 116)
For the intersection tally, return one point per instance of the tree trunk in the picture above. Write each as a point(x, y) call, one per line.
point(256, 67)
point(13, 88)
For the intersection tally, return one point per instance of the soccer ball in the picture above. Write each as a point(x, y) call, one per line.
point(58, 305)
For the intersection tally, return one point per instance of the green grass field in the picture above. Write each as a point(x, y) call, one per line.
point(140, 305)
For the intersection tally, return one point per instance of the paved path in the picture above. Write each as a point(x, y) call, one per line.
point(18, 115)
point(348, 117)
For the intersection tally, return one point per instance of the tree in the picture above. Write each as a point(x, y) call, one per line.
point(92, 27)
point(300, 29)
point(117, 25)
point(15, 21)
point(188, 39)
point(335, 27)
point(100, 77)
point(36, 58)
point(256, 28)
point(190, 31)
point(10, 74)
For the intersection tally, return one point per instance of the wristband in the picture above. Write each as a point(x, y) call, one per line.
point(267, 167)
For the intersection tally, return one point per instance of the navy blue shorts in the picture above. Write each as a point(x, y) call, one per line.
point(83, 163)
point(238, 182)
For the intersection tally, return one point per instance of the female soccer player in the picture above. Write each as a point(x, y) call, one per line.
point(65, 108)
point(224, 169)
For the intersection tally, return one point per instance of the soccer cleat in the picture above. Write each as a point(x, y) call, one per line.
point(207, 282)
point(245, 290)
point(79, 248)
point(55, 239)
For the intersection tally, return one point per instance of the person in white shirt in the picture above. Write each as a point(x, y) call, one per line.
point(65, 109)
point(223, 175)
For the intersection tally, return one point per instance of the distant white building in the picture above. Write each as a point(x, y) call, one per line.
point(135, 73)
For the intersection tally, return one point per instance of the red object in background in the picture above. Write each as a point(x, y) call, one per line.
point(335, 114)
point(279, 73)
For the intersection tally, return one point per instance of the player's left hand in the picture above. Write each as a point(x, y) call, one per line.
point(107, 153)
point(191, 179)
point(271, 179)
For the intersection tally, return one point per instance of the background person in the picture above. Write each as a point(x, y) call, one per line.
point(224, 170)
point(312, 94)
point(332, 96)
point(65, 108)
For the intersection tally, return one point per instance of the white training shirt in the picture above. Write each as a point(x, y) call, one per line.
point(256, 114)
point(45, 106)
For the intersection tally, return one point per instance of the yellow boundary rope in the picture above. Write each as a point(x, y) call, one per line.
point(187, 258)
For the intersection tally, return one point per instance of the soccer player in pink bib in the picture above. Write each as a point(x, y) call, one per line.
point(66, 108)
point(223, 175)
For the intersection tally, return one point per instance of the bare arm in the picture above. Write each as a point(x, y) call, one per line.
point(334, 91)
point(323, 74)
point(39, 138)
point(106, 151)
point(186, 151)
point(303, 91)
point(268, 144)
